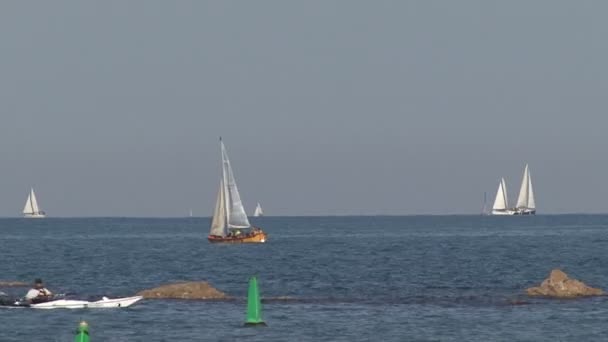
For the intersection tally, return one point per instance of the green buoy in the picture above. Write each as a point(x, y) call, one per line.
point(82, 334)
point(254, 304)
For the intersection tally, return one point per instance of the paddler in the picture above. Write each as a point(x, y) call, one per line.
point(38, 294)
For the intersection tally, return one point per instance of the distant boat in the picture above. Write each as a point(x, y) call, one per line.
point(230, 223)
point(526, 204)
point(31, 209)
point(190, 214)
point(484, 209)
point(258, 211)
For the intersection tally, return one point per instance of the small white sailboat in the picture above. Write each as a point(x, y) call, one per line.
point(501, 202)
point(526, 204)
point(258, 211)
point(31, 209)
point(230, 223)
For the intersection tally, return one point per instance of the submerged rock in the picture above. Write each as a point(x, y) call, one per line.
point(559, 285)
point(184, 290)
point(518, 302)
point(4, 283)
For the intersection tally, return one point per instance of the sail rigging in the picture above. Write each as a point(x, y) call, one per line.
point(237, 218)
point(229, 211)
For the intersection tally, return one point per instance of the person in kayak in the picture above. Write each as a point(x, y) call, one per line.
point(38, 294)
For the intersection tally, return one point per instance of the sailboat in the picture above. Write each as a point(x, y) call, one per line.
point(525, 202)
point(258, 211)
point(230, 223)
point(31, 209)
point(501, 202)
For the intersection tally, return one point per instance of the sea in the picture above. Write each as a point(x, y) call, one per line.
point(368, 278)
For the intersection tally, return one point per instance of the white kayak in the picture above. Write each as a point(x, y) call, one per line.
point(83, 304)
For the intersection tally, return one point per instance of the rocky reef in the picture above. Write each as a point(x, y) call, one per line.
point(559, 285)
point(184, 290)
point(6, 283)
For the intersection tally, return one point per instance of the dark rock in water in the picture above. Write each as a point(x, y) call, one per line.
point(518, 302)
point(4, 283)
point(184, 290)
point(280, 299)
point(558, 285)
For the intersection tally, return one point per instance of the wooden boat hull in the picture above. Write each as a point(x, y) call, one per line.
point(255, 237)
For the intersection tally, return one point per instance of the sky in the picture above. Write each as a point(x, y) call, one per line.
point(114, 108)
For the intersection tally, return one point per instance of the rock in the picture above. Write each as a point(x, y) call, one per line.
point(184, 290)
point(280, 299)
point(558, 285)
point(4, 283)
point(518, 302)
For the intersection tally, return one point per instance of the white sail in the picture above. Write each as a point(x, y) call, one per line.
point(501, 200)
point(522, 199)
point(526, 193)
point(531, 201)
point(31, 208)
point(31, 204)
point(236, 217)
point(28, 205)
point(258, 211)
point(34, 202)
point(218, 223)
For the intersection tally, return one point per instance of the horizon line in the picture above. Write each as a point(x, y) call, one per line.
point(294, 216)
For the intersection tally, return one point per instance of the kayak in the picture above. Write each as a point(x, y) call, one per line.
point(80, 304)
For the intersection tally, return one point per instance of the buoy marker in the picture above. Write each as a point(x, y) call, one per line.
point(254, 304)
point(82, 333)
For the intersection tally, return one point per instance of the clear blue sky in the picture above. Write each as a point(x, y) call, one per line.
point(326, 107)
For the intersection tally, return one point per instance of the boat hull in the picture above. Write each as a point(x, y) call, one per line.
point(82, 304)
point(34, 215)
point(503, 212)
point(514, 212)
point(104, 303)
point(256, 237)
point(525, 212)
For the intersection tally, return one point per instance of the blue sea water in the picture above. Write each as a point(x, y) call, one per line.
point(415, 278)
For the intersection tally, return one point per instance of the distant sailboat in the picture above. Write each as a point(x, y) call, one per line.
point(525, 202)
point(258, 211)
point(501, 202)
point(31, 209)
point(230, 222)
point(190, 214)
